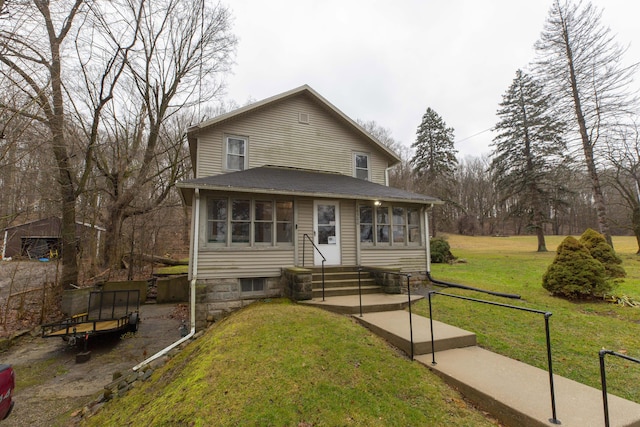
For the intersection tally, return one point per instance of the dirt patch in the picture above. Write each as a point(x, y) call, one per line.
point(51, 384)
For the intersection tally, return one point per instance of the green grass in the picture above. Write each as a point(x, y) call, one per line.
point(278, 363)
point(36, 373)
point(578, 329)
point(174, 269)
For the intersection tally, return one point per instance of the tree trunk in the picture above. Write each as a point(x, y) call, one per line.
point(635, 223)
point(587, 146)
point(112, 247)
point(542, 246)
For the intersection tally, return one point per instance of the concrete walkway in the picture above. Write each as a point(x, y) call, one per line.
point(515, 393)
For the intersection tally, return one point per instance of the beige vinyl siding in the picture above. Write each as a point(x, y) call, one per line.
point(304, 222)
point(407, 258)
point(209, 154)
point(220, 264)
point(348, 231)
point(277, 138)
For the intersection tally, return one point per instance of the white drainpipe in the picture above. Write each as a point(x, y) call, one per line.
point(192, 289)
point(427, 238)
point(386, 175)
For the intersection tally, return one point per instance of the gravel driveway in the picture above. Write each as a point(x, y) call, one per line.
point(58, 385)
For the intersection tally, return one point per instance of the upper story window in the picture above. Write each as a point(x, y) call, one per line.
point(361, 166)
point(236, 148)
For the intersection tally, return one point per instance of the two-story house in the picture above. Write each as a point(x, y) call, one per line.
point(276, 175)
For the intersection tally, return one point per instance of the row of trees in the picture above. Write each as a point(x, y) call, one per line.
point(101, 93)
point(95, 98)
point(568, 125)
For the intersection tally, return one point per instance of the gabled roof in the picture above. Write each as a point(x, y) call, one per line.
point(303, 90)
point(301, 182)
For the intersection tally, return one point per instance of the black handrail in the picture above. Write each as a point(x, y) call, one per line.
point(408, 276)
point(469, 288)
point(305, 235)
point(603, 379)
point(547, 315)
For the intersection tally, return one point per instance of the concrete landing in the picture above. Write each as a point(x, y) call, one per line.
point(518, 394)
point(350, 304)
point(513, 392)
point(393, 326)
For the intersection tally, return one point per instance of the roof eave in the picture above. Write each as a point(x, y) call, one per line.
point(245, 190)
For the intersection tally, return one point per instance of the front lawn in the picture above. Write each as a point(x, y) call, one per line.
point(578, 329)
point(280, 364)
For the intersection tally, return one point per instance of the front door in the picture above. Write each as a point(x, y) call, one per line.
point(326, 231)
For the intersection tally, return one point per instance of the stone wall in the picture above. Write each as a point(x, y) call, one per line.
point(297, 283)
point(172, 289)
point(216, 298)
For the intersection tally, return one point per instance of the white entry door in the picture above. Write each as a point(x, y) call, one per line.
point(326, 231)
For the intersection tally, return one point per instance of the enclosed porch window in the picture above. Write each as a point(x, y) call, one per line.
point(389, 225)
point(253, 222)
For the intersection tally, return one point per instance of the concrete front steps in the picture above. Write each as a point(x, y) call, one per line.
point(513, 392)
point(342, 281)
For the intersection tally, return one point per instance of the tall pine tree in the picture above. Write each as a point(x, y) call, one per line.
point(435, 160)
point(528, 146)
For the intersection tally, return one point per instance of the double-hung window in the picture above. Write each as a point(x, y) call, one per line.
point(240, 221)
point(263, 221)
point(236, 153)
point(361, 166)
point(252, 222)
point(217, 220)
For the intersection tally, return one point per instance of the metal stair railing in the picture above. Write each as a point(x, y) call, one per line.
point(547, 315)
point(408, 276)
point(603, 379)
point(305, 238)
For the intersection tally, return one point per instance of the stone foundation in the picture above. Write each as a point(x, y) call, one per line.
point(217, 298)
point(297, 283)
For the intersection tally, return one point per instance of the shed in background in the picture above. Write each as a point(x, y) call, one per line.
point(42, 238)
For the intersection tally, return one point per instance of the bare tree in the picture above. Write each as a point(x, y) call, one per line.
point(184, 50)
point(106, 79)
point(623, 154)
point(581, 65)
point(31, 45)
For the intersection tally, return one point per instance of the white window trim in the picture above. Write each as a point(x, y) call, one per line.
point(355, 167)
point(225, 164)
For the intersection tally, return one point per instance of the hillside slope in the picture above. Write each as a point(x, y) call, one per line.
point(277, 363)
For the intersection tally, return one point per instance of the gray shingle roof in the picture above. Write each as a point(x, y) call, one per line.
point(290, 181)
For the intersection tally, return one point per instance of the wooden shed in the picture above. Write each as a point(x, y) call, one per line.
point(41, 238)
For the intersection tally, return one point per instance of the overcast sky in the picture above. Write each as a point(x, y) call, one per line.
point(388, 61)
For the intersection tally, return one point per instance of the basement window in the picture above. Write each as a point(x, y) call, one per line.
point(254, 284)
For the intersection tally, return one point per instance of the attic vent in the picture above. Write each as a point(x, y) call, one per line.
point(303, 118)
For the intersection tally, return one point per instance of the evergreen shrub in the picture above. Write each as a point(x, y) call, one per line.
point(575, 274)
point(440, 251)
point(598, 247)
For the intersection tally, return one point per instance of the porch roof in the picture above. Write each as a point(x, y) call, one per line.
point(301, 182)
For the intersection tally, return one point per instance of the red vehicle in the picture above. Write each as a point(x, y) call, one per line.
point(7, 384)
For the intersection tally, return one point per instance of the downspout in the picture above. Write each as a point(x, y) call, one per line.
point(386, 175)
point(427, 243)
point(192, 287)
